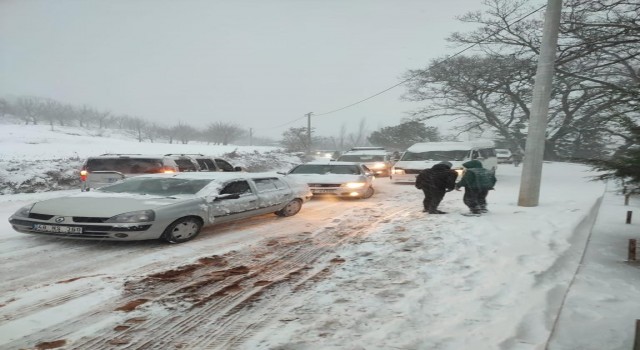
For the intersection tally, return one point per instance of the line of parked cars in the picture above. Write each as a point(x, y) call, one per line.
point(173, 196)
point(105, 169)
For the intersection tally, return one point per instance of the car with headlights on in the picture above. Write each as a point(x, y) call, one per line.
point(172, 207)
point(376, 159)
point(334, 178)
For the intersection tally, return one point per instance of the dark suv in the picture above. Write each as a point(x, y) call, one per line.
point(207, 163)
point(108, 168)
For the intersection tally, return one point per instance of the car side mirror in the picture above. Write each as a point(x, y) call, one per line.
point(281, 172)
point(222, 197)
point(238, 168)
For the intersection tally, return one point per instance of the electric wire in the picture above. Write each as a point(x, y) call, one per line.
point(481, 41)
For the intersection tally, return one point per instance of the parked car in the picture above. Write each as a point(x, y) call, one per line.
point(171, 207)
point(326, 154)
point(342, 179)
point(207, 163)
point(377, 160)
point(108, 168)
point(504, 156)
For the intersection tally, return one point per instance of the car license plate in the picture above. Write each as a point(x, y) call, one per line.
point(322, 191)
point(56, 228)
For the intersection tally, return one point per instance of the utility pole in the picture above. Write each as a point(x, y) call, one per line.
point(250, 136)
point(309, 132)
point(536, 137)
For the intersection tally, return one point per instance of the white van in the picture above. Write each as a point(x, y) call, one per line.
point(425, 155)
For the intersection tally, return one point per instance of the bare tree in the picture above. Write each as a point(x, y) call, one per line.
point(185, 133)
point(29, 108)
point(296, 139)
point(223, 133)
point(597, 67)
point(101, 118)
point(83, 115)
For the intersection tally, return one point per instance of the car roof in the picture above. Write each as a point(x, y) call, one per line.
point(450, 146)
point(220, 176)
point(128, 156)
point(331, 162)
point(373, 152)
point(364, 148)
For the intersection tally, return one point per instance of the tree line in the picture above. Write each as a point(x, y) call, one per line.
point(38, 110)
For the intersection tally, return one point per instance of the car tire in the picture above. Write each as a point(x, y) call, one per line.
point(182, 230)
point(292, 208)
point(370, 191)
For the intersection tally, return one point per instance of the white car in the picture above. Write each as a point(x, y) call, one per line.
point(504, 156)
point(172, 207)
point(342, 179)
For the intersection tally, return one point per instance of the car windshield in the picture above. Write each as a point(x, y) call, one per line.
point(326, 169)
point(157, 186)
point(126, 165)
point(361, 158)
point(436, 155)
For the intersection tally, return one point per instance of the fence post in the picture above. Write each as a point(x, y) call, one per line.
point(628, 216)
point(631, 255)
point(626, 198)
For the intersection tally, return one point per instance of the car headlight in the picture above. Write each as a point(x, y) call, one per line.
point(398, 171)
point(134, 216)
point(354, 185)
point(379, 166)
point(25, 211)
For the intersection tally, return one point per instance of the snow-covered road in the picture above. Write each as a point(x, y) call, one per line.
point(87, 291)
point(360, 274)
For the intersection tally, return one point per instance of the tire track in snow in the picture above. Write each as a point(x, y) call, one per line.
point(221, 316)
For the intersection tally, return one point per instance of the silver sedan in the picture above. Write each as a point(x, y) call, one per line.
point(172, 207)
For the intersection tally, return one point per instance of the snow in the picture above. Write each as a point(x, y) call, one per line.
point(449, 146)
point(552, 276)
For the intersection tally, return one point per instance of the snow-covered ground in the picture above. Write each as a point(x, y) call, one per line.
point(34, 158)
point(357, 274)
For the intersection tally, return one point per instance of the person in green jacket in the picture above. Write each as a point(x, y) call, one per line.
point(477, 181)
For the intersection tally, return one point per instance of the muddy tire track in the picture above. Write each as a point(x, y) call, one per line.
point(218, 301)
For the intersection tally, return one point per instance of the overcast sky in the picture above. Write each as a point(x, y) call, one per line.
point(259, 63)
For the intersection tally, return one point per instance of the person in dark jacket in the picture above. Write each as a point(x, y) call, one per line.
point(477, 181)
point(434, 183)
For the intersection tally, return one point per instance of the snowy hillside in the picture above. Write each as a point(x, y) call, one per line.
point(35, 158)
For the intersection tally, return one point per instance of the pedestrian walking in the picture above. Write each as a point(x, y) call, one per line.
point(434, 182)
point(477, 181)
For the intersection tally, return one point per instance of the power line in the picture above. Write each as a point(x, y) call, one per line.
point(415, 75)
point(437, 63)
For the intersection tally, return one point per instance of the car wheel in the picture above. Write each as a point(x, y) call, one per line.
point(368, 193)
point(292, 208)
point(182, 230)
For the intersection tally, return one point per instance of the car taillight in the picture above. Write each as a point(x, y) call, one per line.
point(83, 175)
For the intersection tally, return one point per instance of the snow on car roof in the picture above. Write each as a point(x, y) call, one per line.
point(331, 162)
point(449, 146)
point(220, 176)
point(375, 152)
point(137, 156)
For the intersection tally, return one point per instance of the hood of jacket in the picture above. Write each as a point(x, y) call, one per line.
point(472, 164)
point(441, 166)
